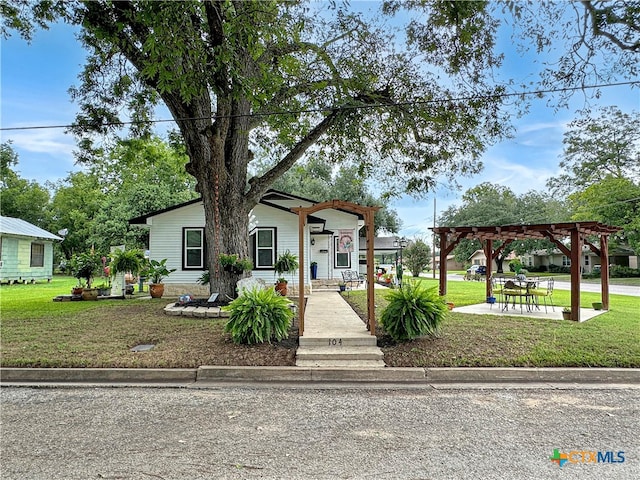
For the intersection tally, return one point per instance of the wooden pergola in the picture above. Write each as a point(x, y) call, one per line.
point(577, 232)
point(368, 214)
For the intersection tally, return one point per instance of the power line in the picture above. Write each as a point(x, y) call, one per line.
point(345, 107)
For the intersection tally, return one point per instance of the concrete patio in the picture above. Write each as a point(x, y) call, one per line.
point(550, 314)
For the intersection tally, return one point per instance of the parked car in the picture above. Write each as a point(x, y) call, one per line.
point(477, 270)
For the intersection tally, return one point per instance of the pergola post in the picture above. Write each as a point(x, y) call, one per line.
point(488, 253)
point(604, 271)
point(443, 264)
point(302, 220)
point(576, 273)
point(371, 299)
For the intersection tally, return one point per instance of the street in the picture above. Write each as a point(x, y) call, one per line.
point(308, 432)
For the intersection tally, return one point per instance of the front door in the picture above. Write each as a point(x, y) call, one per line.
point(320, 253)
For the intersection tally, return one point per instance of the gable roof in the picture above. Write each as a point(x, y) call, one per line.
point(16, 226)
point(267, 199)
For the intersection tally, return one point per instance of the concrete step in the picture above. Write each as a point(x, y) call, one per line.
point(339, 353)
point(346, 364)
point(338, 341)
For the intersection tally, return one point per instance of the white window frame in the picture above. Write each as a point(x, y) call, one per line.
point(336, 253)
point(186, 248)
point(256, 248)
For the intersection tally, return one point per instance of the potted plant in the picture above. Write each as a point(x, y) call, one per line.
point(597, 305)
point(286, 262)
point(233, 264)
point(104, 289)
point(314, 270)
point(281, 286)
point(156, 271)
point(566, 313)
point(84, 267)
point(127, 262)
point(343, 286)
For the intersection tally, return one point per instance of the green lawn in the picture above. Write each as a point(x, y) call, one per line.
point(609, 340)
point(37, 332)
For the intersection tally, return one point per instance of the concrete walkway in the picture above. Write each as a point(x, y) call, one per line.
point(335, 336)
point(327, 314)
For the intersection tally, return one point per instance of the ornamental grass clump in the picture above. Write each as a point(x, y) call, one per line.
point(413, 311)
point(258, 316)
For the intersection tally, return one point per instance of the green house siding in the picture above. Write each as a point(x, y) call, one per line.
point(16, 260)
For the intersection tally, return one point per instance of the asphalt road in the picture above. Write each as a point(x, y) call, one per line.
point(311, 433)
point(630, 290)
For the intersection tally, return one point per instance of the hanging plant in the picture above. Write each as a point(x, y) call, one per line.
point(233, 264)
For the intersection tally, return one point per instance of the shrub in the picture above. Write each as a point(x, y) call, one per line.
point(620, 271)
point(417, 256)
point(258, 316)
point(413, 311)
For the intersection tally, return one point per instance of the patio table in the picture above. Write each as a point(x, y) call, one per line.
point(518, 289)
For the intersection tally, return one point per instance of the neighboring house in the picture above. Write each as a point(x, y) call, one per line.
point(26, 251)
point(384, 252)
point(479, 258)
point(452, 263)
point(589, 260)
point(177, 234)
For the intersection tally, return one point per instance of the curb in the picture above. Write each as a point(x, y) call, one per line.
point(319, 375)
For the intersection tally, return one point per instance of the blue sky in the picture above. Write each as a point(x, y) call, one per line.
point(35, 79)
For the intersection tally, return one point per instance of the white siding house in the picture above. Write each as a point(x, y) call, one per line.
point(177, 234)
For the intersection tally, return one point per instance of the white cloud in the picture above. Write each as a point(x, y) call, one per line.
point(50, 141)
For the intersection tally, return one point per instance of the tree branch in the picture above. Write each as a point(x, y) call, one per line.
point(259, 185)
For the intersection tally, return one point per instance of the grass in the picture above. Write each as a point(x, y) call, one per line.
point(610, 340)
point(37, 332)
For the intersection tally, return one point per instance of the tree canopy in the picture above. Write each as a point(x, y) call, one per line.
point(21, 198)
point(598, 145)
point(277, 80)
point(319, 180)
point(488, 204)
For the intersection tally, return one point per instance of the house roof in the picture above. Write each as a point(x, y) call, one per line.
point(267, 199)
point(16, 226)
point(380, 243)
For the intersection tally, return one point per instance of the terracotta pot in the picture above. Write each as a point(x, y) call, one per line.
point(450, 306)
point(281, 288)
point(156, 290)
point(90, 294)
point(77, 290)
point(566, 315)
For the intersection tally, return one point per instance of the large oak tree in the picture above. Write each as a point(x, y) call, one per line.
point(277, 79)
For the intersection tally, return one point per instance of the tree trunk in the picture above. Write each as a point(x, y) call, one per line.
point(219, 161)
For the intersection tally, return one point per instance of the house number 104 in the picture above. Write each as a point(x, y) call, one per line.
point(335, 341)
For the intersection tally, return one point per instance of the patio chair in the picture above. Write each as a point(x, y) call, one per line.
point(497, 284)
point(352, 277)
point(545, 294)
